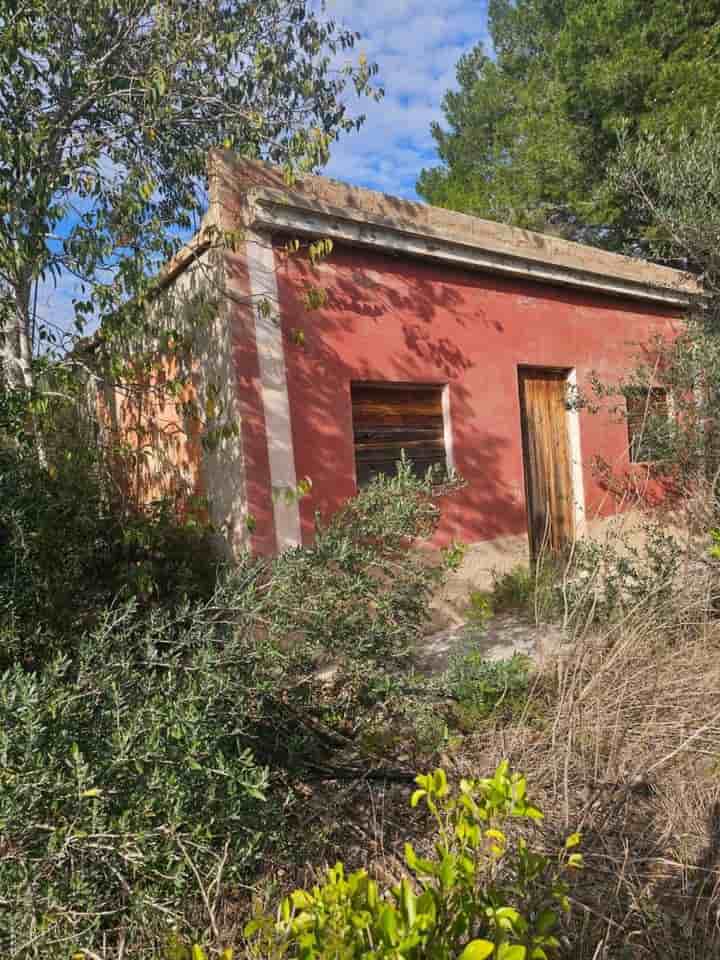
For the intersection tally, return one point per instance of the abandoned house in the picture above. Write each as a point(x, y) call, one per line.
point(452, 338)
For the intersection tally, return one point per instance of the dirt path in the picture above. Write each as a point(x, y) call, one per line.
point(503, 636)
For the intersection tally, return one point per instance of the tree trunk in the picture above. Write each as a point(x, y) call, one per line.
point(15, 348)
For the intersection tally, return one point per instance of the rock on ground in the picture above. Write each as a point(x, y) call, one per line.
point(504, 635)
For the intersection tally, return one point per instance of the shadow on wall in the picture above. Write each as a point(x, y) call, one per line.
point(337, 350)
point(155, 445)
point(166, 422)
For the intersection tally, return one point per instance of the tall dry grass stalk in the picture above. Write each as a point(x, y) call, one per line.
point(630, 756)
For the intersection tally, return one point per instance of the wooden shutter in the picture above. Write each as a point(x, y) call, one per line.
point(391, 417)
point(643, 407)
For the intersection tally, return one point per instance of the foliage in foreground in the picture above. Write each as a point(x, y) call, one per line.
point(486, 687)
point(67, 550)
point(156, 751)
point(479, 893)
point(123, 771)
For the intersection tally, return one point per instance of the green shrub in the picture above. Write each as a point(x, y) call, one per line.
point(480, 608)
point(529, 590)
point(66, 551)
point(154, 747)
point(514, 589)
point(358, 591)
point(598, 581)
point(123, 772)
point(430, 731)
point(479, 893)
point(483, 687)
point(608, 578)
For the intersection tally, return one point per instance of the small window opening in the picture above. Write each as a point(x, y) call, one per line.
point(389, 418)
point(647, 423)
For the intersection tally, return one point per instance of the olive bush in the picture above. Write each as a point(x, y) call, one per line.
point(123, 771)
point(152, 752)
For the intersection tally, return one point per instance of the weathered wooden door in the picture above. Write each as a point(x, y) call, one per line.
point(546, 455)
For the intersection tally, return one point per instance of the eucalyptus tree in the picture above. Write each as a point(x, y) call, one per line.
point(107, 111)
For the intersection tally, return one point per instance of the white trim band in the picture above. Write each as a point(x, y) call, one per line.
point(273, 385)
point(576, 464)
point(271, 215)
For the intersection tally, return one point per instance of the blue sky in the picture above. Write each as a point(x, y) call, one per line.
point(416, 44)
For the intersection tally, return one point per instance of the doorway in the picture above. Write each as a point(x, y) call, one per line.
point(547, 459)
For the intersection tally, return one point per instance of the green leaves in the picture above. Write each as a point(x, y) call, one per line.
point(319, 250)
point(389, 926)
point(108, 117)
point(129, 750)
point(530, 134)
point(157, 83)
point(314, 298)
point(477, 950)
point(447, 896)
point(483, 687)
point(511, 952)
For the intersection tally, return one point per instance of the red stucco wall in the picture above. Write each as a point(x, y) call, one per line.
point(397, 319)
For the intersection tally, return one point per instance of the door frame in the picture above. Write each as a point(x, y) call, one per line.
point(572, 422)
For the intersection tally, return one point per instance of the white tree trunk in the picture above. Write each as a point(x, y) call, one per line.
point(15, 346)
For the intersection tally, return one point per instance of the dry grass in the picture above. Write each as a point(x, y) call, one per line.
point(631, 758)
point(627, 750)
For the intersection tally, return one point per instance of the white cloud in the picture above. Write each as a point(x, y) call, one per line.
point(417, 45)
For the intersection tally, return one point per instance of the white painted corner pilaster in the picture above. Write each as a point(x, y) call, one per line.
point(576, 466)
point(265, 309)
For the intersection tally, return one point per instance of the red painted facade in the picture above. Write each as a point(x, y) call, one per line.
point(398, 319)
point(389, 316)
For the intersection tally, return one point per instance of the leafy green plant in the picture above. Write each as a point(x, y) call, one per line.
point(529, 590)
point(67, 550)
point(177, 950)
point(480, 608)
point(483, 687)
point(606, 578)
point(477, 894)
point(454, 554)
point(128, 772)
point(513, 590)
point(429, 726)
point(715, 548)
point(358, 591)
